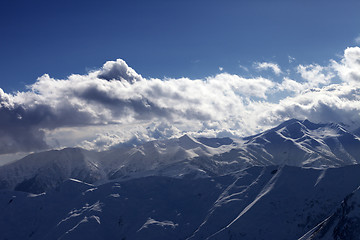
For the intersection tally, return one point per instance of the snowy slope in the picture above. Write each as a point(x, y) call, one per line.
point(302, 143)
point(293, 143)
point(154, 155)
point(43, 171)
point(256, 203)
point(39, 172)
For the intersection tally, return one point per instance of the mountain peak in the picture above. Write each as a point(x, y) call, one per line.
point(188, 142)
point(296, 124)
point(185, 137)
point(288, 122)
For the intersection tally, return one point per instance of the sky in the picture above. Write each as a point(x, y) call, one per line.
point(96, 74)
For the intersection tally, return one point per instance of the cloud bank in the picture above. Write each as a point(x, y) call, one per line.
point(116, 105)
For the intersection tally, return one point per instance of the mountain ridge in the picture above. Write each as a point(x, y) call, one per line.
point(294, 143)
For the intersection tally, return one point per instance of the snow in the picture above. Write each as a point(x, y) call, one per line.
point(299, 176)
point(163, 224)
point(293, 143)
point(321, 176)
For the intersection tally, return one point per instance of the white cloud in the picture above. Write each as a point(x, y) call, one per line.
point(221, 69)
point(115, 105)
point(123, 97)
point(118, 70)
point(315, 74)
point(291, 85)
point(312, 76)
point(338, 103)
point(349, 67)
point(268, 65)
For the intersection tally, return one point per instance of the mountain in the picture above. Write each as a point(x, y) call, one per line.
point(46, 170)
point(299, 180)
point(40, 172)
point(302, 143)
point(292, 143)
point(152, 156)
point(274, 202)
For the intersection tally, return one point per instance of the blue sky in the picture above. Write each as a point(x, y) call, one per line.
point(168, 38)
point(98, 74)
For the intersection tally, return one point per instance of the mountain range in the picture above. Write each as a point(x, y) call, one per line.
point(298, 180)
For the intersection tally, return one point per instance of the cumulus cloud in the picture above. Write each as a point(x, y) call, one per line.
point(334, 103)
point(268, 65)
point(118, 70)
point(117, 95)
point(115, 105)
point(318, 98)
point(348, 68)
point(291, 85)
point(312, 76)
point(315, 74)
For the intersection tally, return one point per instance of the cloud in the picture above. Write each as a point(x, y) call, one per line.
point(312, 76)
point(339, 103)
point(315, 74)
point(115, 105)
point(16, 135)
point(348, 68)
point(137, 135)
point(117, 95)
point(268, 65)
point(118, 70)
point(291, 85)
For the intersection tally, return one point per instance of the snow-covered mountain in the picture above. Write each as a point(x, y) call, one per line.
point(293, 177)
point(274, 202)
point(292, 143)
point(152, 157)
point(43, 171)
point(40, 172)
point(303, 143)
